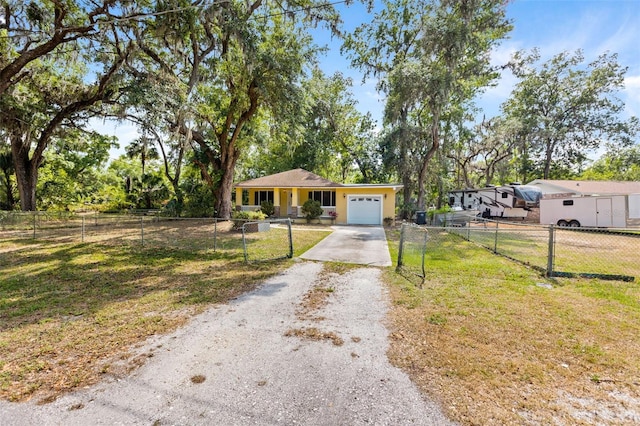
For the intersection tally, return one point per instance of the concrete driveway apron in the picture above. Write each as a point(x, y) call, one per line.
point(363, 245)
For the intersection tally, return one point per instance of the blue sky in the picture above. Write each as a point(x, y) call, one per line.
point(595, 26)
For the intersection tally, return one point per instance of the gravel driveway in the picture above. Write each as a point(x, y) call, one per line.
point(255, 361)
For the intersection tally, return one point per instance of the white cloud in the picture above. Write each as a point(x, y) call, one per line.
point(502, 53)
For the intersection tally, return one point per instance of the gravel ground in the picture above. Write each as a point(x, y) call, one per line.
point(233, 365)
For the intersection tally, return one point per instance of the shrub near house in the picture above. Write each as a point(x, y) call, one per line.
point(311, 209)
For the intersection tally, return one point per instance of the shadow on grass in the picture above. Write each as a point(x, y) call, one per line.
point(58, 280)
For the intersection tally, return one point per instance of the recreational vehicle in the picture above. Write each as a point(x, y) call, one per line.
point(597, 211)
point(464, 199)
point(508, 201)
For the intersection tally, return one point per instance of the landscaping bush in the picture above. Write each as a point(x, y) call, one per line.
point(243, 216)
point(267, 208)
point(311, 210)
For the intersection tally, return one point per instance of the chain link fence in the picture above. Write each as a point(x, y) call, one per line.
point(554, 251)
point(415, 243)
point(147, 230)
point(267, 240)
point(151, 230)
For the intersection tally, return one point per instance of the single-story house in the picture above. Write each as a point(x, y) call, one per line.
point(357, 204)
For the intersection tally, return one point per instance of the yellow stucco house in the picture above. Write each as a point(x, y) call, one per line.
point(354, 204)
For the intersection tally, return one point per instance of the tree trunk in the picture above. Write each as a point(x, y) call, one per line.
point(435, 144)
point(26, 174)
point(406, 195)
point(224, 190)
point(548, 160)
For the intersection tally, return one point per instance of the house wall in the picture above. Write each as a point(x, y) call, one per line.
point(388, 203)
point(300, 195)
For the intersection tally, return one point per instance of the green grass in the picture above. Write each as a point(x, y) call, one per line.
point(68, 310)
point(494, 347)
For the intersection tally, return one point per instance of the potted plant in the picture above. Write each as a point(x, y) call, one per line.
point(333, 215)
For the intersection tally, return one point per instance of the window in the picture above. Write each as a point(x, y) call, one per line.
point(567, 202)
point(260, 196)
point(326, 198)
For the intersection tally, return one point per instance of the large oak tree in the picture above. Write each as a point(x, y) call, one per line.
point(223, 63)
point(566, 109)
point(59, 59)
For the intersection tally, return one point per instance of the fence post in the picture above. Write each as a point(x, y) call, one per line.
point(82, 229)
point(424, 252)
point(401, 246)
point(34, 225)
point(142, 230)
point(495, 243)
point(244, 243)
point(551, 251)
point(290, 238)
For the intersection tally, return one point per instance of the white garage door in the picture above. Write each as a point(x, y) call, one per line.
point(364, 210)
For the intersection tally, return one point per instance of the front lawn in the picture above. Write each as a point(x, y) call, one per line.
point(496, 343)
point(72, 312)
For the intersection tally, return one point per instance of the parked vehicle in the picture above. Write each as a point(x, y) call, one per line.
point(605, 211)
point(507, 201)
point(456, 217)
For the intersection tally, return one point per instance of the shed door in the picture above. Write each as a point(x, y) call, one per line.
point(603, 213)
point(364, 210)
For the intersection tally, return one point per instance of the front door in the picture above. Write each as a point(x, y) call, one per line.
point(288, 196)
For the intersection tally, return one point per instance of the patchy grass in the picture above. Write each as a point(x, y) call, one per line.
point(197, 379)
point(318, 296)
point(494, 347)
point(313, 333)
point(71, 313)
point(315, 300)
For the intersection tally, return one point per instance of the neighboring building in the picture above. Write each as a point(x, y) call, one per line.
point(602, 204)
point(561, 188)
point(357, 204)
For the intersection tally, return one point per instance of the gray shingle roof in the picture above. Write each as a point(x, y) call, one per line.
point(298, 178)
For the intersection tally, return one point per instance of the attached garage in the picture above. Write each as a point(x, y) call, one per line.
point(364, 210)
